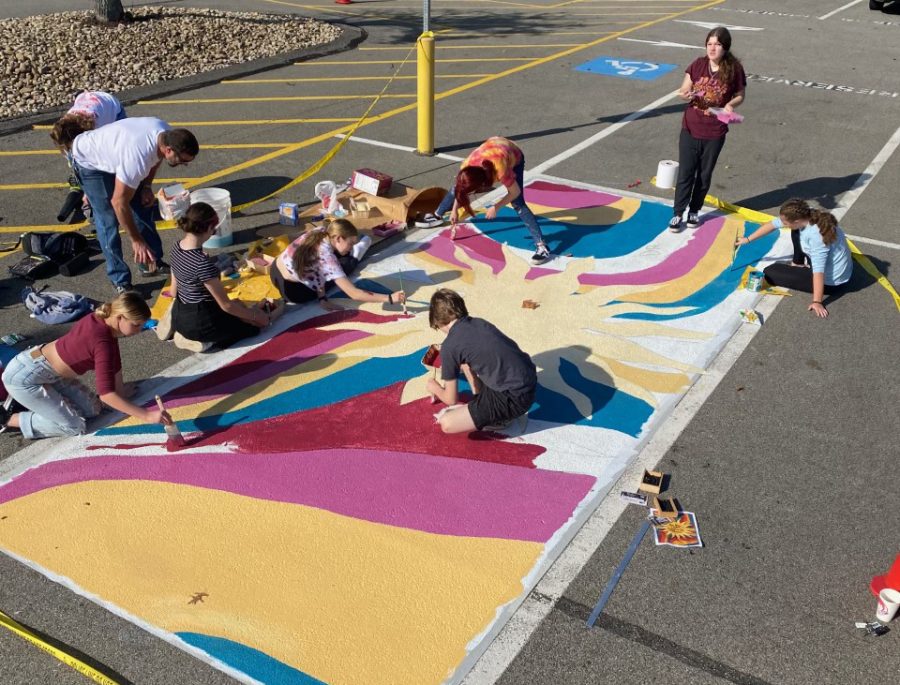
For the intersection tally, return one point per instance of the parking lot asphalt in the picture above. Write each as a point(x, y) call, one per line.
point(790, 461)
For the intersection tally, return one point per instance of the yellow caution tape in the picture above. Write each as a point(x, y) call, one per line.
point(315, 168)
point(67, 659)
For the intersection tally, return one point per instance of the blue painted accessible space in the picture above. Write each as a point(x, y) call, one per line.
point(626, 68)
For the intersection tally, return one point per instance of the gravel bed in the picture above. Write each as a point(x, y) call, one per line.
point(46, 60)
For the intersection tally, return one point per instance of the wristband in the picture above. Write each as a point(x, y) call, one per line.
point(390, 298)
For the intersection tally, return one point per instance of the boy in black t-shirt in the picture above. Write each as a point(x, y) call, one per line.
point(503, 378)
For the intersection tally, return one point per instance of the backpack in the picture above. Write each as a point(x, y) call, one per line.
point(48, 253)
point(59, 306)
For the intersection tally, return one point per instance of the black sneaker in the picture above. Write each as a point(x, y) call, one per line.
point(692, 220)
point(123, 288)
point(541, 255)
point(158, 268)
point(675, 224)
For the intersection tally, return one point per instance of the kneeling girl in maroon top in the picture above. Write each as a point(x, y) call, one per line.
point(44, 378)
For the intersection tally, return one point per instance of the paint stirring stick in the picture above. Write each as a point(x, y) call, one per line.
point(400, 273)
point(174, 438)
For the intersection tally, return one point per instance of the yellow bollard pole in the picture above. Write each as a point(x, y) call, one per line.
point(425, 93)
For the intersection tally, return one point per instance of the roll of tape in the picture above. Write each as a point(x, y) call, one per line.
point(666, 174)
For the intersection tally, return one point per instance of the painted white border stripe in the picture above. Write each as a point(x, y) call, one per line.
point(846, 200)
point(872, 241)
point(394, 146)
point(840, 9)
point(608, 131)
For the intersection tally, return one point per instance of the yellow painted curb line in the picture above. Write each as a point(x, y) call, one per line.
point(69, 660)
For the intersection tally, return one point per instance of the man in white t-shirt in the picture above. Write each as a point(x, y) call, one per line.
point(116, 165)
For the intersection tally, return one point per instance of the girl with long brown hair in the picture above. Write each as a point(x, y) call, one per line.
point(822, 261)
point(715, 80)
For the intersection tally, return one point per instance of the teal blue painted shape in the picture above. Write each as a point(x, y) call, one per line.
point(718, 289)
point(254, 663)
point(610, 408)
point(602, 241)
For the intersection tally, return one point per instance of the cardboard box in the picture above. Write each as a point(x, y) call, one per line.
point(651, 482)
point(359, 208)
point(289, 214)
point(371, 181)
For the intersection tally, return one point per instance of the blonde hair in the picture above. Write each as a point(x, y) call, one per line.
point(69, 126)
point(308, 251)
point(795, 208)
point(129, 304)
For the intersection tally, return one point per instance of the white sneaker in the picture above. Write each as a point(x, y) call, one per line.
point(190, 345)
point(429, 220)
point(362, 245)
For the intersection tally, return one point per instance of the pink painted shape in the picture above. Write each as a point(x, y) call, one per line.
point(475, 244)
point(537, 272)
point(566, 197)
point(674, 266)
point(256, 364)
point(272, 369)
point(417, 491)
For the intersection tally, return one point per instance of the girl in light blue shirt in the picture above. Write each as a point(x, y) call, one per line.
point(822, 260)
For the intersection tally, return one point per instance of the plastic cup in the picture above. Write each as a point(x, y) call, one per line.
point(888, 604)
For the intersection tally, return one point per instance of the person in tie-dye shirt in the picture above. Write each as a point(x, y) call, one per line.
point(496, 159)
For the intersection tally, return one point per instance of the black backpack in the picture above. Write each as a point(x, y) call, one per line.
point(50, 252)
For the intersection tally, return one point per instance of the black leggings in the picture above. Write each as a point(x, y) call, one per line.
point(206, 322)
point(295, 292)
point(795, 277)
point(696, 162)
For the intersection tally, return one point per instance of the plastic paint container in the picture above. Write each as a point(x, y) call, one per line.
point(220, 200)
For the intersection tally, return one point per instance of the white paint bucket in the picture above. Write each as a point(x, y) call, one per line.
point(220, 200)
point(666, 174)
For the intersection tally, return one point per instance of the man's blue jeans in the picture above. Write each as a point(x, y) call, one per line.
point(522, 209)
point(99, 186)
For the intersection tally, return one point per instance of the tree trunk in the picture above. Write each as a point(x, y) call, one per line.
point(109, 10)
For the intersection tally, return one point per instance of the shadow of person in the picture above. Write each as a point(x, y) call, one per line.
point(822, 190)
point(860, 280)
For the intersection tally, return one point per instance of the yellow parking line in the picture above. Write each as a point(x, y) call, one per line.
point(53, 186)
point(286, 98)
point(314, 79)
point(479, 47)
point(224, 146)
point(460, 89)
point(248, 122)
point(412, 64)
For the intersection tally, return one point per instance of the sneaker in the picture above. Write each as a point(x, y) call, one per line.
point(693, 220)
point(158, 268)
point(675, 224)
point(541, 255)
point(123, 288)
point(190, 345)
point(429, 220)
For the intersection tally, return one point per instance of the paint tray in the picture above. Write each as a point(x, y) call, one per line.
point(389, 228)
point(432, 357)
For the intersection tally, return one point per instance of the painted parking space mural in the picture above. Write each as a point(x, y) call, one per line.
point(319, 528)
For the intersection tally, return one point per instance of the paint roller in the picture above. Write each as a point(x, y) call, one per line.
point(174, 438)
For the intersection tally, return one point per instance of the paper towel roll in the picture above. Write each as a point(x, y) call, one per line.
point(666, 174)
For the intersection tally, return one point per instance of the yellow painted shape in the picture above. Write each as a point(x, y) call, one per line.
point(606, 215)
point(341, 599)
point(654, 381)
point(707, 268)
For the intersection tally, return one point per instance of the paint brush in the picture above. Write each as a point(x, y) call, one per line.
point(736, 246)
point(400, 274)
point(174, 438)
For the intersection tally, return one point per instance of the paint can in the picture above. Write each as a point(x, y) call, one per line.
point(754, 281)
point(666, 173)
point(220, 200)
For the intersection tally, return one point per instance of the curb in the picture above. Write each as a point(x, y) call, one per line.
point(349, 39)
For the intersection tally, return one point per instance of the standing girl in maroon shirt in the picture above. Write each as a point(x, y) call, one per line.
point(44, 378)
point(715, 80)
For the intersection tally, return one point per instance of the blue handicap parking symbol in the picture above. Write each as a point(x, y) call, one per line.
point(626, 68)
